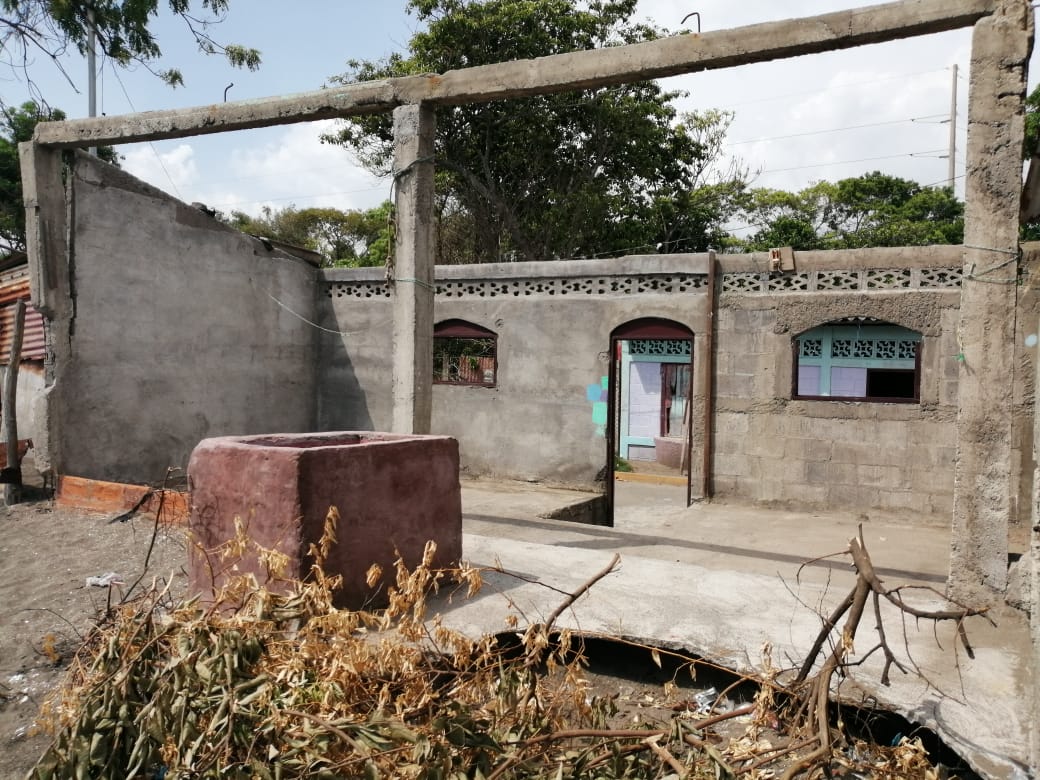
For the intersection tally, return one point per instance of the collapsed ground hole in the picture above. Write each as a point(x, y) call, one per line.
point(637, 674)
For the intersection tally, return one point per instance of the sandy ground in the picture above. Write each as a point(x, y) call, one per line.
point(46, 556)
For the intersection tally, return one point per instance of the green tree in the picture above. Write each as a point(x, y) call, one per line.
point(29, 28)
point(593, 172)
point(16, 126)
point(1031, 147)
point(874, 209)
point(343, 238)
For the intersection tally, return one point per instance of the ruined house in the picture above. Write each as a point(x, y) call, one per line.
point(164, 327)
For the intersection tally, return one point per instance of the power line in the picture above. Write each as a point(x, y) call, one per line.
point(850, 162)
point(836, 129)
point(155, 151)
point(832, 87)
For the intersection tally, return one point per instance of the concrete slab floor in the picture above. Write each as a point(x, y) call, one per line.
point(725, 581)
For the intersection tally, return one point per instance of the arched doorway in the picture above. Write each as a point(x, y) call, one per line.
point(650, 398)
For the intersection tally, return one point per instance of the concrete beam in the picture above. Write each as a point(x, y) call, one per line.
point(557, 73)
point(983, 486)
point(411, 275)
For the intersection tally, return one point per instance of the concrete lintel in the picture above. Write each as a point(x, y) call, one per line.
point(670, 56)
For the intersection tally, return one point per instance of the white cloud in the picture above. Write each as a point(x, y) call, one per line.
point(248, 170)
point(827, 95)
point(295, 167)
point(172, 169)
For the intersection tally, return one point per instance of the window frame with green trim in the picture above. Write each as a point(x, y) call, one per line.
point(857, 359)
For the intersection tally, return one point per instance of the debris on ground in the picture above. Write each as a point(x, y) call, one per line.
point(284, 685)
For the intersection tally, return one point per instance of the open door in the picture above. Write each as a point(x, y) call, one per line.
point(650, 395)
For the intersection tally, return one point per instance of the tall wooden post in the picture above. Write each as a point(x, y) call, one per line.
point(13, 490)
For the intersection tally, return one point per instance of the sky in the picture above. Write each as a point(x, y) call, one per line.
point(821, 117)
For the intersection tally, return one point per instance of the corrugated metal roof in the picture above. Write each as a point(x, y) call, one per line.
point(14, 285)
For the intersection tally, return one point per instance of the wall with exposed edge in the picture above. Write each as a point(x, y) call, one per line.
point(178, 328)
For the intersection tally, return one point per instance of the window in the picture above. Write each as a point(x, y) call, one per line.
point(464, 354)
point(859, 359)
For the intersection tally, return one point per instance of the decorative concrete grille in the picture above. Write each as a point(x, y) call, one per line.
point(785, 283)
point(680, 347)
point(880, 349)
point(843, 280)
point(671, 284)
point(361, 290)
point(667, 284)
point(907, 350)
point(811, 347)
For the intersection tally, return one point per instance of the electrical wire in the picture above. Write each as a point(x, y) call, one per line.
point(850, 162)
point(832, 87)
point(836, 130)
point(155, 151)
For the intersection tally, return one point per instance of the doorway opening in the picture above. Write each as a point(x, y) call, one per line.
point(650, 425)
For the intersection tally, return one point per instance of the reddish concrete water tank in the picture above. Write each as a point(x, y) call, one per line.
point(393, 492)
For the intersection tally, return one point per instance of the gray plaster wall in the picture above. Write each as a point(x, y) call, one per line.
point(834, 454)
point(553, 322)
point(178, 328)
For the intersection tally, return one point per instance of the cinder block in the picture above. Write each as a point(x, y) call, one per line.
point(842, 473)
point(393, 492)
point(817, 473)
point(818, 450)
point(731, 465)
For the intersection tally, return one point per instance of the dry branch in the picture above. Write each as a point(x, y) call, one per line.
point(812, 693)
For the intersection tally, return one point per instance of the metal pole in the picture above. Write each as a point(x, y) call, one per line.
point(91, 71)
point(709, 385)
point(952, 167)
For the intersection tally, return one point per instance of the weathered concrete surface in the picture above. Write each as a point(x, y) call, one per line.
point(983, 489)
point(557, 73)
point(553, 322)
point(538, 422)
point(46, 235)
point(1029, 567)
point(165, 327)
point(393, 493)
point(411, 276)
point(724, 579)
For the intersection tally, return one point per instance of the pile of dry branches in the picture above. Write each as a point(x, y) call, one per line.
point(287, 686)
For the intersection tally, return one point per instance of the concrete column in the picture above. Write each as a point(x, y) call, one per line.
point(1034, 573)
point(411, 275)
point(983, 488)
point(47, 217)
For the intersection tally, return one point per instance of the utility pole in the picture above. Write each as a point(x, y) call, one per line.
point(952, 166)
point(91, 71)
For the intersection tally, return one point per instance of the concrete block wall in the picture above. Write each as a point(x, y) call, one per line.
point(841, 463)
point(553, 339)
point(840, 455)
point(166, 327)
point(553, 323)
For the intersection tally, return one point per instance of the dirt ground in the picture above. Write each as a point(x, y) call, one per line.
point(46, 605)
point(46, 556)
